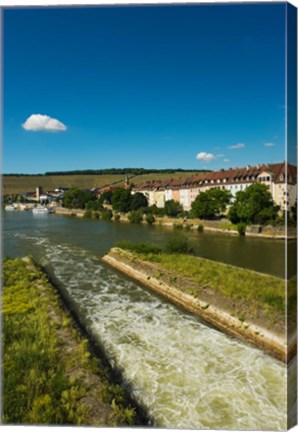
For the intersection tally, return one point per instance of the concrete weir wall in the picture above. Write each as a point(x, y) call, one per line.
point(263, 338)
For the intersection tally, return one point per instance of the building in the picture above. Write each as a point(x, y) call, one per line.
point(280, 178)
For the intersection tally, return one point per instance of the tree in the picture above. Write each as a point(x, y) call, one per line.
point(76, 198)
point(121, 200)
point(106, 197)
point(253, 205)
point(211, 204)
point(172, 208)
point(138, 201)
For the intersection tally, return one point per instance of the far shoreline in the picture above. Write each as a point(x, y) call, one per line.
point(191, 224)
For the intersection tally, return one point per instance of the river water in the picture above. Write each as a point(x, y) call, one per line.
point(185, 373)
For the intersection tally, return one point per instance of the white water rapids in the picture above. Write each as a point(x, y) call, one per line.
point(186, 374)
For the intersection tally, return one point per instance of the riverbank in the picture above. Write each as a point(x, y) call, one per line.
point(50, 373)
point(250, 319)
point(221, 226)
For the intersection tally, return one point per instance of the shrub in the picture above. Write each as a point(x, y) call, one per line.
point(150, 219)
point(177, 226)
point(143, 248)
point(173, 208)
point(88, 213)
point(106, 214)
point(96, 214)
point(178, 245)
point(201, 228)
point(135, 216)
point(241, 228)
point(116, 216)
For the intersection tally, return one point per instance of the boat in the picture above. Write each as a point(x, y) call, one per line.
point(42, 210)
point(10, 207)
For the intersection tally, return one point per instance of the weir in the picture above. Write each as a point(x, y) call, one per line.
point(183, 372)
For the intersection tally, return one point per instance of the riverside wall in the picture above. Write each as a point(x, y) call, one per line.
point(277, 233)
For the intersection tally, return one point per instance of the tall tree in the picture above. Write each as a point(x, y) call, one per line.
point(253, 205)
point(211, 203)
point(138, 201)
point(173, 208)
point(121, 200)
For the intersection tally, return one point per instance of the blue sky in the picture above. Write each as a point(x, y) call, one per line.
point(153, 87)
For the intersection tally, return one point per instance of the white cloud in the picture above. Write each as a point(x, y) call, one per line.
point(237, 146)
point(220, 155)
point(226, 160)
point(39, 122)
point(205, 156)
point(269, 144)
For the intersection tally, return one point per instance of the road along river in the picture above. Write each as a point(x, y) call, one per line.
point(185, 373)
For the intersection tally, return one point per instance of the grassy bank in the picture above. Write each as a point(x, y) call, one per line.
point(49, 373)
point(246, 293)
point(240, 302)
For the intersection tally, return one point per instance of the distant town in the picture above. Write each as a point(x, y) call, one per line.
point(280, 178)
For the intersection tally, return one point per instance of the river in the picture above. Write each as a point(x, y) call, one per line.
point(185, 373)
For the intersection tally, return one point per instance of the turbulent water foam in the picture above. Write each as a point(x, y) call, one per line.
point(185, 373)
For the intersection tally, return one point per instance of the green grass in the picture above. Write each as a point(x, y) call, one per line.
point(232, 282)
point(43, 383)
point(246, 287)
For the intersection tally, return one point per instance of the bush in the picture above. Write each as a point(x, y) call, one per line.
point(178, 245)
point(177, 226)
point(173, 208)
point(143, 248)
point(96, 214)
point(241, 228)
point(88, 213)
point(201, 228)
point(106, 214)
point(135, 216)
point(150, 219)
point(116, 216)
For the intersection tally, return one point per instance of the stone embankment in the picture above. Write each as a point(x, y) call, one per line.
point(222, 227)
point(274, 343)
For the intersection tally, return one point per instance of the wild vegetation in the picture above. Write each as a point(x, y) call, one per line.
point(254, 290)
point(50, 375)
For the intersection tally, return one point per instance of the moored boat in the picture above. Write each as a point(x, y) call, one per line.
point(10, 207)
point(42, 210)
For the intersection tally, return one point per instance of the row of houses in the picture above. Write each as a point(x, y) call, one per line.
point(41, 196)
point(280, 178)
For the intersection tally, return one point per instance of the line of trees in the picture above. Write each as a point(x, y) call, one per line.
point(254, 205)
point(115, 171)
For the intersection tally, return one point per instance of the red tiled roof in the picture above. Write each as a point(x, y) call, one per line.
point(232, 175)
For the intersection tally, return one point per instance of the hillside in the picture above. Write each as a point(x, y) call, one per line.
point(14, 184)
